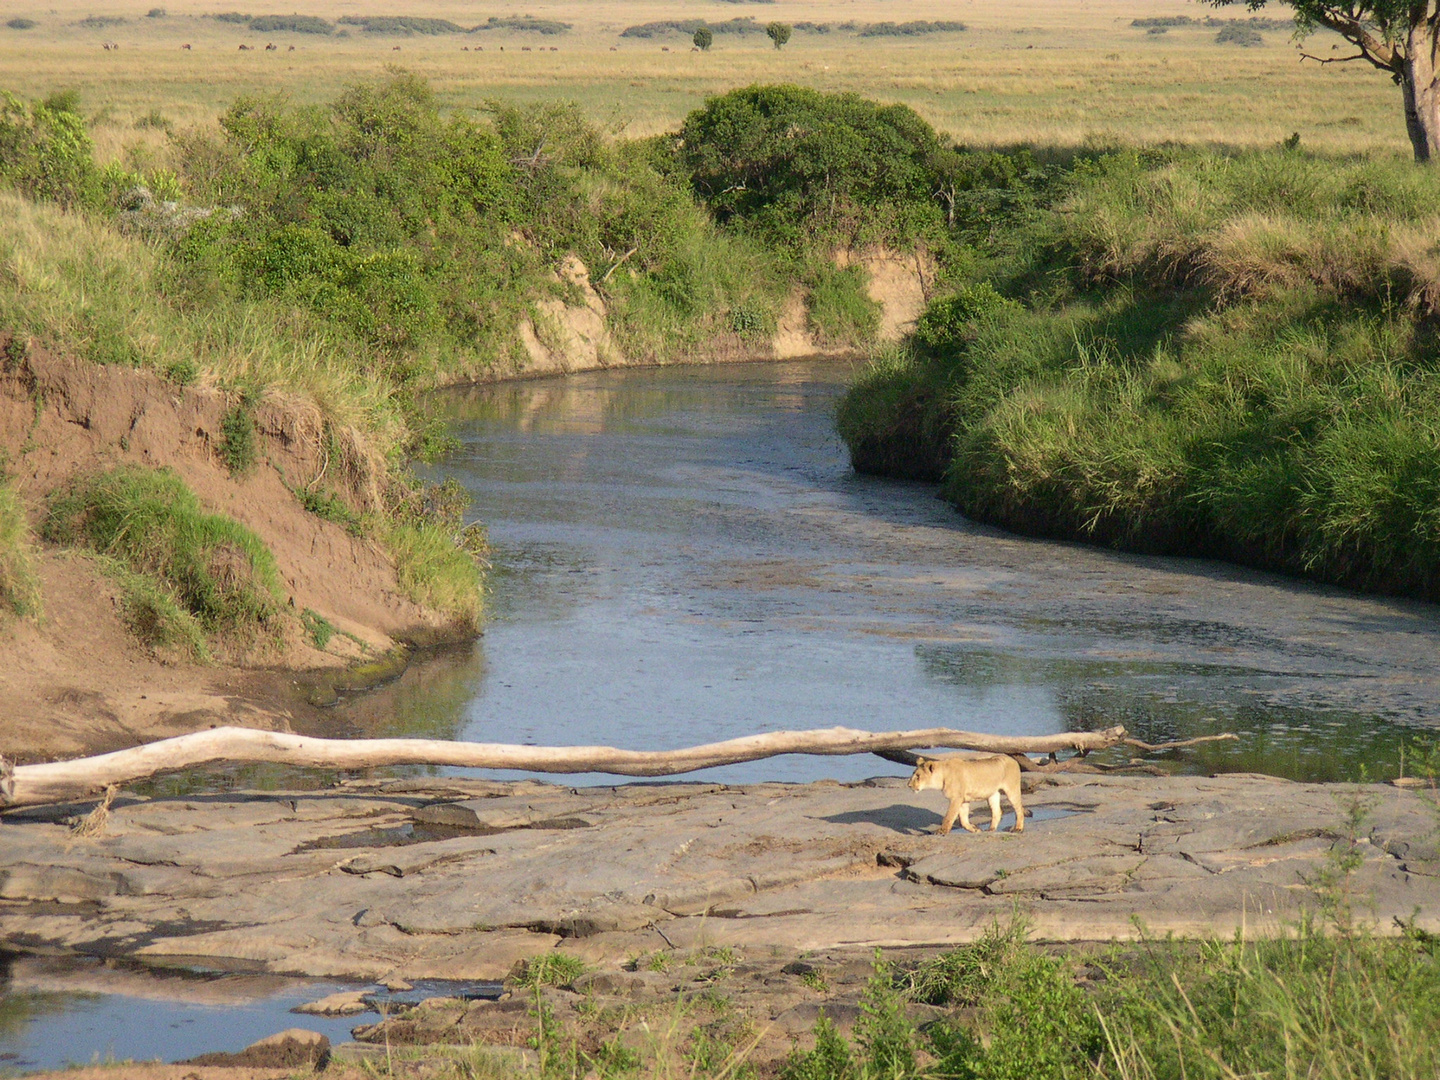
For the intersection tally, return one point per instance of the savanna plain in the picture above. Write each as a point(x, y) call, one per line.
point(1117, 280)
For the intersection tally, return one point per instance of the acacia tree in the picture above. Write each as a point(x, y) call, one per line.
point(703, 38)
point(779, 33)
point(1397, 36)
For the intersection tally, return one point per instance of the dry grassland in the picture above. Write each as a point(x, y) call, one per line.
point(1040, 71)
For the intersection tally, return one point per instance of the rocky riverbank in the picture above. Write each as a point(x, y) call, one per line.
point(434, 878)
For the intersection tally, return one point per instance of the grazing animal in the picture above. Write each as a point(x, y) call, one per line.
point(394, 48)
point(186, 46)
point(554, 48)
point(614, 48)
point(291, 49)
point(464, 48)
point(664, 48)
point(964, 779)
point(271, 46)
point(524, 48)
point(247, 48)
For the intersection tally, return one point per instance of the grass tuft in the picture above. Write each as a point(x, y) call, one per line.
point(551, 969)
point(204, 567)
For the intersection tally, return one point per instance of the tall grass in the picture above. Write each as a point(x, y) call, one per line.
point(70, 279)
point(1328, 1007)
point(19, 583)
point(1231, 355)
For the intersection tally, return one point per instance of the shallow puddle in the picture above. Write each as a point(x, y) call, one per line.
point(56, 1012)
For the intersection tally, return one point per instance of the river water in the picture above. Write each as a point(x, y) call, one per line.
point(684, 555)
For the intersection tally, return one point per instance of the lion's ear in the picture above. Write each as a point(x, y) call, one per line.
point(922, 762)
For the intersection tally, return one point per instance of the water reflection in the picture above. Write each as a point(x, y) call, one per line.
point(59, 1011)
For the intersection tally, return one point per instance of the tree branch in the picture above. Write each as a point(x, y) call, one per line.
point(1334, 59)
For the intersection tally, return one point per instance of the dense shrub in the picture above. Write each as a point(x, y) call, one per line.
point(525, 23)
point(738, 26)
point(795, 165)
point(21, 23)
point(401, 24)
point(914, 28)
point(428, 237)
point(1246, 37)
point(295, 24)
point(45, 151)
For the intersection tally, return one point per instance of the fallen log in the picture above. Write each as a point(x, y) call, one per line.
point(83, 778)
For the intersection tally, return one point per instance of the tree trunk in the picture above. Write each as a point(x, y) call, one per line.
point(1421, 90)
point(67, 781)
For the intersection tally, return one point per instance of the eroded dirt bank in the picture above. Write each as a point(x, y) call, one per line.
point(75, 680)
point(433, 878)
point(562, 338)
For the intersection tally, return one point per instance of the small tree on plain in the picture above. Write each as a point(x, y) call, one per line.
point(703, 38)
point(779, 33)
point(1400, 37)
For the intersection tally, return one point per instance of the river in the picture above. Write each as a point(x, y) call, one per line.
point(684, 554)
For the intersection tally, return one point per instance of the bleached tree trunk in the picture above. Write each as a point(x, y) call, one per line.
point(67, 781)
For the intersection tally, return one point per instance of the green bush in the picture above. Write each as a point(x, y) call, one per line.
point(19, 583)
point(1237, 34)
point(398, 226)
point(525, 23)
point(798, 166)
point(913, 28)
point(46, 152)
point(401, 24)
point(738, 26)
point(213, 568)
point(295, 24)
point(948, 324)
point(21, 23)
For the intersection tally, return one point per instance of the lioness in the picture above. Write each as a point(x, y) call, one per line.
point(963, 779)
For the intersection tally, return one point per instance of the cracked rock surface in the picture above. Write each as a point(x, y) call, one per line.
point(463, 879)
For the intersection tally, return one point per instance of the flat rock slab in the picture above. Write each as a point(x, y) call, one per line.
point(458, 880)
